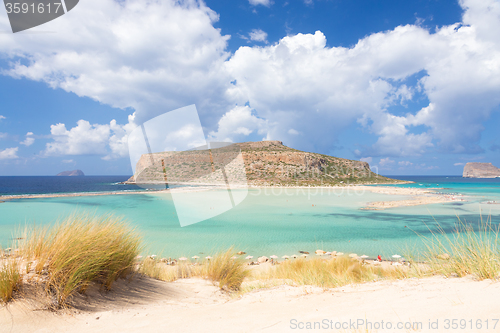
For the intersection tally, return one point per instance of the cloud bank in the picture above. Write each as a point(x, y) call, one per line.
point(158, 56)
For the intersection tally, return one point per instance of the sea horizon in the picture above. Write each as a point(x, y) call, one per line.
point(109, 183)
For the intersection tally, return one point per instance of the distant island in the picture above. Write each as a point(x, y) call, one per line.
point(72, 173)
point(264, 162)
point(481, 170)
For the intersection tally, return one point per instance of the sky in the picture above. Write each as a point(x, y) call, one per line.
point(411, 87)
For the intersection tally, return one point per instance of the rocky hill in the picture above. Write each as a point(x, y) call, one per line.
point(260, 163)
point(71, 173)
point(480, 170)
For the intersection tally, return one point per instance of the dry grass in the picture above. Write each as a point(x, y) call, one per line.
point(227, 272)
point(161, 271)
point(222, 269)
point(10, 278)
point(156, 270)
point(334, 272)
point(470, 251)
point(81, 249)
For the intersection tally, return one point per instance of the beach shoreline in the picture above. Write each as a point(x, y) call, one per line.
point(416, 196)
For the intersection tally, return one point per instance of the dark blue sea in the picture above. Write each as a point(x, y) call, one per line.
point(16, 185)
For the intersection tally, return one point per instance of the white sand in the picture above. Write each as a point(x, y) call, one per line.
point(415, 196)
point(194, 305)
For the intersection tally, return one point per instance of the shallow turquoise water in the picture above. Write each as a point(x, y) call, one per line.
point(266, 222)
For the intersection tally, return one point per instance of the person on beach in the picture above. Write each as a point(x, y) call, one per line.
point(379, 258)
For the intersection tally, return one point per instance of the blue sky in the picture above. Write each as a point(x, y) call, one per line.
point(410, 86)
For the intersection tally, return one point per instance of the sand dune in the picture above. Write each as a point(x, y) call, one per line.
point(194, 305)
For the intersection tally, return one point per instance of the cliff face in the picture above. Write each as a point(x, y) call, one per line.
point(480, 170)
point(264, 162)
point(71, 173)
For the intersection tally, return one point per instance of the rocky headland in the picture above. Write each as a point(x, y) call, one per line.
point(480, 170)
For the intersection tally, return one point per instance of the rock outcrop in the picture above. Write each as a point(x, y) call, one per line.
point(71, 173)
point(480, 170)
point(263, 163)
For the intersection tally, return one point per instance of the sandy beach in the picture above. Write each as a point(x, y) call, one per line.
point(195, 305)
point(416, 196)
point(91, 194)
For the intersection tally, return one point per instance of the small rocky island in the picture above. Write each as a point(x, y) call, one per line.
point(263, 162)
point(72, 173)
point(481, 170)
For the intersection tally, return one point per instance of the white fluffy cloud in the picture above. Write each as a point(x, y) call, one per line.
point(152, 56)
point(237, 124)
point(394, 138)
point(1, 117)
point(84, 139)
point(301, 83)
point(29, 139)
point(384, 162)
point(158, 56)
point(266, 3)
point(119, 138)
point(258, 35)
point(108, 140)
point(9, 153)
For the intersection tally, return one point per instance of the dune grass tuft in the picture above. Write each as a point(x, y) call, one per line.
point(333, 272)
point(161, 271)
point(81, 249)
point(225, 270)
point(222, 269)
point(156, 270)
point(10, 278)
point(465, 251)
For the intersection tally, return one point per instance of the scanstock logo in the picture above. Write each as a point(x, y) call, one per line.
point(26, 14)
point(205, 178)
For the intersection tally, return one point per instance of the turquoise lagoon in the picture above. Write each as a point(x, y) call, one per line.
point(275, 221)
